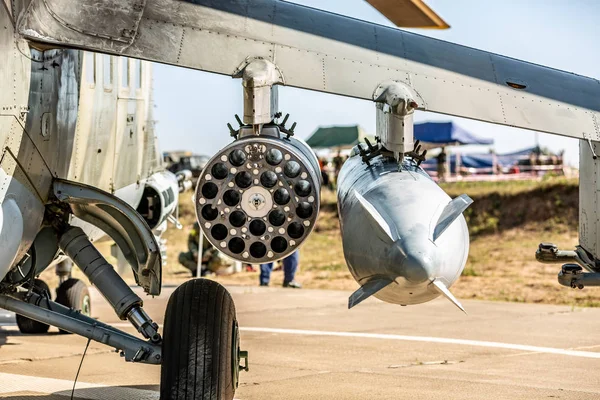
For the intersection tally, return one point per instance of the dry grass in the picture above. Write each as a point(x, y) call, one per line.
point(507, 221)
point(503, 267)
point(479, 189)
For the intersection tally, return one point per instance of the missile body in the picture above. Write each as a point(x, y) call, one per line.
point(405, 240)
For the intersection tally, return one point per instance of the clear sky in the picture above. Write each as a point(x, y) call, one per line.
point(193, 107)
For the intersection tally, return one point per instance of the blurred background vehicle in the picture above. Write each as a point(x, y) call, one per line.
point(180, 160)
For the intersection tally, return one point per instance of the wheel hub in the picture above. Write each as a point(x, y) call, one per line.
point(237, 355)
point(85, 306)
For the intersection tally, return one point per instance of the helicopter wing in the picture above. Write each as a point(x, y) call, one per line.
point(326, 52)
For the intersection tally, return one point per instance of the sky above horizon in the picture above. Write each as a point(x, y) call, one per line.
point(193, 107)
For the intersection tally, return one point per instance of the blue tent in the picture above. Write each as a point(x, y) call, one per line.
point(437, 134)
point(478, 161)
point(482, 161)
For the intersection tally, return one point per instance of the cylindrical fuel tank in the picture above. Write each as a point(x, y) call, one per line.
point(409, 204)
point(257, 199)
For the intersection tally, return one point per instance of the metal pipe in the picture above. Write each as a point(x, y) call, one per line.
point(75, 243)
point(133, 349)
point(548, 253)
point(47, 304)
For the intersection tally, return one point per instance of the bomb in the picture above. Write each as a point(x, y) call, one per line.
point(258, 199)
point(405, 240)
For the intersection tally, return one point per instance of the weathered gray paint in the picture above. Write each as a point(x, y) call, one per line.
point(589, 196)
point(55, 124)
point(122, 223)
point(327, 52)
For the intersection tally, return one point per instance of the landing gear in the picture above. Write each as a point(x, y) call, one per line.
point(74, 294)
point(200, 343)
point(30, 326)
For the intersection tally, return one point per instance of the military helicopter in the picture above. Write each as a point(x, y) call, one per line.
point(258, 198)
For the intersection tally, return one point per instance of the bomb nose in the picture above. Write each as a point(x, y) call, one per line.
point(417, 259)
point(417, 267)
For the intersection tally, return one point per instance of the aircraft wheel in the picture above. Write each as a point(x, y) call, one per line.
point(200, 343)
point(30, 326)
point(73, 293)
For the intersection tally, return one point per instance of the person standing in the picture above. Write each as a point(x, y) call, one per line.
point(290, 266)
point(441, 165)
point(324, 176)
point(338, 161)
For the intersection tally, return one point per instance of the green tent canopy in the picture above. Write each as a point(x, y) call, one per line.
point(337, 137)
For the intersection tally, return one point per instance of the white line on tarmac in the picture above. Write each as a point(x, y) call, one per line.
point(384, 336)
point(463, 342)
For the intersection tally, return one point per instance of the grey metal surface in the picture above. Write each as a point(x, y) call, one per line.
point(452, 211)
point(122, 223)
point(67, 115)
point(549, 253)
point(582, 280)
point(396, 208)
point(589, 197)
point(367, 290)
point(311, 47)
point(43, 302)
point(396, 103)
point(38, 106)
point(127, 305)
point(259, 79)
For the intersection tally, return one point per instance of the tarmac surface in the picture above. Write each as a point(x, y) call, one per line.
point(306, 344)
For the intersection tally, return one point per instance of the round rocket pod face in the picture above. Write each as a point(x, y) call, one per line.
point(258, 198)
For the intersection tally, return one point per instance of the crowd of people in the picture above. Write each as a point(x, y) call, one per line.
point(331, 170)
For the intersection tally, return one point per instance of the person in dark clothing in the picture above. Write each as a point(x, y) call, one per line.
point(212, 259)
point(324, 176)
point(338, 161)
point(441, 165)
point(290, 266)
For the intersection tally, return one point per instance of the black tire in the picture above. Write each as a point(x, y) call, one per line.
point(74, 294)
point(200, 346)
point(29, 326)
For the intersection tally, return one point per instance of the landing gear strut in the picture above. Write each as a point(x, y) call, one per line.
point(200, 342)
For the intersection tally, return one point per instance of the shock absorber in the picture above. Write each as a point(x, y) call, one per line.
point(128, 306)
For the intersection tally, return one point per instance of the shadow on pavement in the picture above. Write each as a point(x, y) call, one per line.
point(5, 334)
point(145, 392)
